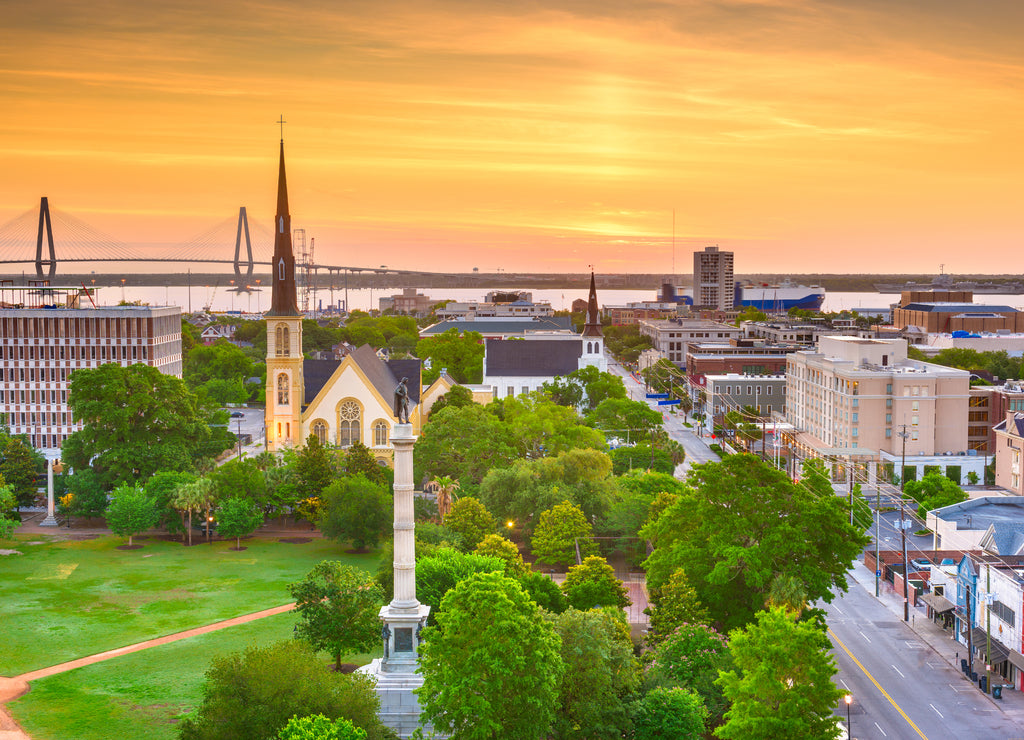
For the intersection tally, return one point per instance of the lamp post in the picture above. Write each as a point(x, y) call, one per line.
point(849, 729)
point(903, 525)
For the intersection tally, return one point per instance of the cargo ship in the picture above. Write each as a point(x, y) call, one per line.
point(762, 296)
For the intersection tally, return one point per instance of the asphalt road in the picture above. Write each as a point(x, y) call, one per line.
point(924, 697)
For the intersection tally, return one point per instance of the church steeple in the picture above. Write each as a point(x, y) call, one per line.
point(593, 326)
point(283, 301)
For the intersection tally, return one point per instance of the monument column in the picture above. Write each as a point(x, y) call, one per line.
point(50, 520)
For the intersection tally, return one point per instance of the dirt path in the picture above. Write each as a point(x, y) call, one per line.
point(12, 688)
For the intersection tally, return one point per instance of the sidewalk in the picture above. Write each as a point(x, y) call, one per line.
point(1012, 703)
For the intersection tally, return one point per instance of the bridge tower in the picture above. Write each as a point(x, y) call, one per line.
point(243, 227)
point(44, 220)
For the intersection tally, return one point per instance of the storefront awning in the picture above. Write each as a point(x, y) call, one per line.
point(939, 603)
point(999, 651)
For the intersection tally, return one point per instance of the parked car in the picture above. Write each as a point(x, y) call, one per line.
point(920, 564)
point(237, 415)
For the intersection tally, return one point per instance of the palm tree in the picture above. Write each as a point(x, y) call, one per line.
point(195, 496)
point(446, 488)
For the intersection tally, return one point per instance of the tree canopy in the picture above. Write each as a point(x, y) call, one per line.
point(356, 510)
point(130, 511)
point(561, 530)
point(933, 491)
point(462, 354)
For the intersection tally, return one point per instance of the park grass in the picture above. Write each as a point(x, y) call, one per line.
point(65, 599)
point(140, 696)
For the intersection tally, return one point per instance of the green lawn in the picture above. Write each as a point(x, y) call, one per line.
point(64, 600)
point(139, 696)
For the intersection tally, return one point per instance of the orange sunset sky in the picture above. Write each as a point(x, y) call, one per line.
point(854, 136)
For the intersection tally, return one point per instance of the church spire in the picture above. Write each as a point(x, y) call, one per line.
point(283, 302)
point(593, 326)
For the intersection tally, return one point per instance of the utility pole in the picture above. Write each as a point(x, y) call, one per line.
point(970, 634)
point(988, 627)
point(903, 527)
point(878, 529)
point(849, 484)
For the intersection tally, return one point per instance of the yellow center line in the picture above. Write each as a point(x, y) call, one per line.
point(877, 685)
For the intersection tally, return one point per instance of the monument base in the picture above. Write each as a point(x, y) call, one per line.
point(50, 521)
point(399, 707)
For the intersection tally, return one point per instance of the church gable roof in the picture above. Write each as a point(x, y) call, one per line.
point(537, 358)
point(383, 376)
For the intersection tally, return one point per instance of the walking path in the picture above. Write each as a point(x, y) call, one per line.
point(12, 688)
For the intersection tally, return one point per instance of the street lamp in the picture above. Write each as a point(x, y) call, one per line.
point(849, 729)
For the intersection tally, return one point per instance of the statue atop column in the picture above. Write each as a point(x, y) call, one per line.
point(402, 402)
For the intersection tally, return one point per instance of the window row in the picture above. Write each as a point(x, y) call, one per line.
point(73, 352)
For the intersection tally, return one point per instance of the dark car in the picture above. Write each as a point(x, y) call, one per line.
point(237, 415)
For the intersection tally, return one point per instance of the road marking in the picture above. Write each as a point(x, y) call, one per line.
point(845, 686)
point(936, 710)
point(865, 636)
point(898, 671)
point(881, 730)
point(878, 685)
point(838, 609)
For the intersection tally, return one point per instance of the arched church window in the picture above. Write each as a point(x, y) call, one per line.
point(380, 434)
point(282, 341)
point(348, 423)
point(320, 431)
point(282, 388)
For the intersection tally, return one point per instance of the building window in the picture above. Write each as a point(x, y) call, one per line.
point(282, 389)
point(380, 434)
point(348, 423)
point(281, 341)
point(320, 432)
point(888, 433)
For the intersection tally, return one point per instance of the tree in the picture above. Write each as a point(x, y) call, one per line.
point(162, 488)
point(8, 502)
point(360, 461)
point(631, 506)
point(356, 510)
point(242, 478)
point(445, 568)
point(600, 676)
point(254, 693)
point(743, 524)
point(194, 496)
point(88, 497)
point(458, 396)
point(464, 444)
point(131, 511)
point(491, 667)
point(470, 518)
point(318, 727)
point(337, 607)
point(314, 465)
point(674, 604)
point(544, 592)
point(563, 529)
point(691, 657)
point(782, 682)
point(622, 417)
point(238, 517)
point(642, 457)
point(934, 491)
point(669, 713)
point(461, 354)
point(20, 463)
point(446, 488)
point(540, 427)
point(592, 584)
point(497, 546)
point(136, 421)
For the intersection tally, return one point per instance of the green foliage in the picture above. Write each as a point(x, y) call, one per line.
point(470, 519)
point(130, 511)
point(20, 463)
point(162, 488)
point(782, 682)
point(356, 510)
point(219, 371)
point(253, 694)
point(620, 417)
point(690, 657)
point(461, 353)
point(464, 444)
point(238, 517)
point(750, 313)
point(444, 569)
point(495, 545)
point(360, 461)
point(192, 497)
point(315, 468)
point(626, 342)
point(136, 421)
point(600, 676)
point(934, 491)
point(544, 592)
point(337, 607)
point(542, 428)
point(491, 667)
point(458, 396)
point(741, 526)
point(242, 478)
point(88, 497)
point(560, 531)
point(318, 727)
point(669, 713)
point(996, 363)
point(8, 502)
point(674, 604)
point(584, 389)
point(593, 584)
point(641, 457)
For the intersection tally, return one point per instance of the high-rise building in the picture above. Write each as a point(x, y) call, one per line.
point(713, 283)
point(46, 334)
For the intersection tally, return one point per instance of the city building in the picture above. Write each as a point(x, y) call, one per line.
point(670, 338)
point(497, 305)
point(408, 302)
point(714, 285)
point(523, 365)
point(989, 405)
point(501, 327)
point(634, 313)
point(855, 394)
point(744, 356)
point(1009, 435)
point(935, 312)
point(766, 394)
point(46, 333)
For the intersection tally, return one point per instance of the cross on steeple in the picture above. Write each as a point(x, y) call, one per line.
point(281, 122)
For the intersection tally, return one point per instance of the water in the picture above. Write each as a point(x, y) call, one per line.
point(366, 298)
